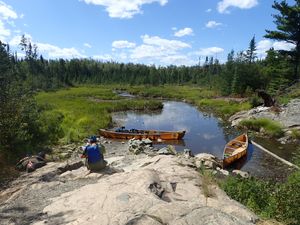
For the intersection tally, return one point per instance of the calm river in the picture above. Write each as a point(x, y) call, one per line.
point(204, 133)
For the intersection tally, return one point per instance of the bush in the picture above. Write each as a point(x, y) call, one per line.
point(295, 134)
point(255, 101)
point(270, 127)
point(268, 199)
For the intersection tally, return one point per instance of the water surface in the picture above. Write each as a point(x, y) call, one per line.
point(204, 133)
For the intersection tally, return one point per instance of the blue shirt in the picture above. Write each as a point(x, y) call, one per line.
point(93, 153)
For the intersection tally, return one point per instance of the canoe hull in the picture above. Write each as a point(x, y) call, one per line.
point(151, 134)
point(235, 149)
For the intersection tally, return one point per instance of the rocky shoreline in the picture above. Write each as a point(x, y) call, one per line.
point(287, 115)
point(151, 187)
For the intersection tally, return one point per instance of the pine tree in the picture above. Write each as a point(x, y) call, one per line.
point(251, 54)
point(288, 29)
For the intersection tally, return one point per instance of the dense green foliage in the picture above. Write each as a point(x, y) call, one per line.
point(288, 29)
point(24, 126)
point(270, 127)
point(268, 199)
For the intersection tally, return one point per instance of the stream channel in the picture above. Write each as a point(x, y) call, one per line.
point(206, 133)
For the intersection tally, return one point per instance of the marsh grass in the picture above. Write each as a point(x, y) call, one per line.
point(223, 107)
point(81, 115)
point(201, 97)
point(270, 127)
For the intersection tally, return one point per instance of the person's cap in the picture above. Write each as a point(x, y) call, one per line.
point(93, 139)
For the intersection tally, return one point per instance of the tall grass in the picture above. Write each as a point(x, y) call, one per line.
point(201, 97)
point(86, 109)
point(270, 127)
point(223, 107)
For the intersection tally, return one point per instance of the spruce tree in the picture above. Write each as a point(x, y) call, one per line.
point(288, 29)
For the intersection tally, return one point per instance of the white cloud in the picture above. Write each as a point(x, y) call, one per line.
point(87, 45)
point(56, 52)
point(7, 15)
point(15, 41)
point(178, 60)
point(282, 45)
point(164, 43)
point(208, 10)
point(6, 12)
point(212, 24)
point(123, 44)
point(163, 51)
point(48, 50)
point(242, 4)
point(209, 51)
point(174, 28)
point(265, 45)
point(105, 57)
point(124, 8)
point(184, 32)
point(4, 32)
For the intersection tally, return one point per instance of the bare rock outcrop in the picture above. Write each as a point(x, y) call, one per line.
point(164, 189)
point(288, 116)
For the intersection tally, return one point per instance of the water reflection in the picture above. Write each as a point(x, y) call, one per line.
point(204, 133)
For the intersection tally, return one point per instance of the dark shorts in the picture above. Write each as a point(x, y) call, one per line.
point(97, 166)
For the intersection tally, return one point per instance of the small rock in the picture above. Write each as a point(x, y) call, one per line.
point(210, 164)
point(224, 172)
point(123, 142)
point(170, 150)
point(188, 153)
point(205, 156)
point(241, 173)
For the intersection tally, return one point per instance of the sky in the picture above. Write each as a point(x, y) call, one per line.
point(160, 32)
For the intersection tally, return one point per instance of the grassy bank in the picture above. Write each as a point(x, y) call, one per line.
point(201, 97)
point(86, 109)
point(269, 127)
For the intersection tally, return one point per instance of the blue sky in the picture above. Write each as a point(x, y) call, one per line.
point(160, 32)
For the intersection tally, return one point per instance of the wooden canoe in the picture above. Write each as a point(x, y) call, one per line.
point(235, 149)
point(140, 134)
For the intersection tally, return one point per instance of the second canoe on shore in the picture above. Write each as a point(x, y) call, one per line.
point(235, 149)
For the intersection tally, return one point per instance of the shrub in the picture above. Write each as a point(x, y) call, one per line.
point(255, 101)
point(278, 201)
point(295, 134)
point(272, 128)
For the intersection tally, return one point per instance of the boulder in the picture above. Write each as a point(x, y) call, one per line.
point(139, 146)
point(205, 156)
point(206, 160)
point(169, 150)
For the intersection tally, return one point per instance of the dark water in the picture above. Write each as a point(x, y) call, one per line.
point(204, 133)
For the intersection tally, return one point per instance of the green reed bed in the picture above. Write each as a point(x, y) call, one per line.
point(270, 127)
point(86, 109)
point(201, 97)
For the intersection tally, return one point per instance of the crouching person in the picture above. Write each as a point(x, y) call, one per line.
point(94, 157)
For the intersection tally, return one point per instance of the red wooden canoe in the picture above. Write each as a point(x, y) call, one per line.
point(140, 134)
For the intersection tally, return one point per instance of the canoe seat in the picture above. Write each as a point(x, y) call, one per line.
point(238, 151)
